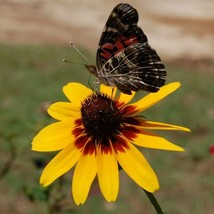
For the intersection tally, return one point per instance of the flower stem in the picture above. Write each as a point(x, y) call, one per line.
point(154, 202)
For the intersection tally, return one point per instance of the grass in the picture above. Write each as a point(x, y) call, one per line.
point(31, 76)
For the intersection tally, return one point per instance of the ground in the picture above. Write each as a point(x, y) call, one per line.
point(177, 29)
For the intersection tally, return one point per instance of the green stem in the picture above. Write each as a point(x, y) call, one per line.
point(154, 202)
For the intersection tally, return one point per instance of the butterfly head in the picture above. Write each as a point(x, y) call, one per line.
point(92, 69)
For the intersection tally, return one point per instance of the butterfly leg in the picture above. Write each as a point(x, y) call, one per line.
point(96, 83)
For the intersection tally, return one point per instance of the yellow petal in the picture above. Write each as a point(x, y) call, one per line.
point(63, 111)
point(125, 98)
point(76, 92)
point(83, 177)
point(110, 91)
point(54, 137)
point(153, 98)
point(145, 124)
point(108, 175)
point(136, 166)
point(60, 164)
point(153, 141)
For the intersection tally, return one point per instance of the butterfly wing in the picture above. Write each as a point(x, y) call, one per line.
point(137, 67)
point(120, 31)
point(124, 57)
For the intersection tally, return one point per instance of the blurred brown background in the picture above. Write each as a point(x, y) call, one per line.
point(177, 28)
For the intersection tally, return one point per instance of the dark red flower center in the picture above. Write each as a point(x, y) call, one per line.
point(100, 115)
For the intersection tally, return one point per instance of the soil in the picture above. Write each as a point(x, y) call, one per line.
point(176, 29)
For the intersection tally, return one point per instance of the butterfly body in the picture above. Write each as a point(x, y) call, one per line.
point(124, 57)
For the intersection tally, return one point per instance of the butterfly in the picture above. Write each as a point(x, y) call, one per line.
point(124, 58)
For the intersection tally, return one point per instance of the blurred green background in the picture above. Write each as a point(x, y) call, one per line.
point(32, 76)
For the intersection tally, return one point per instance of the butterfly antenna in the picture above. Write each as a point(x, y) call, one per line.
point(72, 62)
point(78, 51)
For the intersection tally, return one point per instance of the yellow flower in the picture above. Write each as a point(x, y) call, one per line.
point(98, 132)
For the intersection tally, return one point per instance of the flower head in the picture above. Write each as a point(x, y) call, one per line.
point(212, 149)
point(99, 131)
